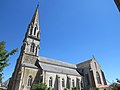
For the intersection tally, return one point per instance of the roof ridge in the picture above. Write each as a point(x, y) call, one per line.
point(57, 62)
point(85, 61)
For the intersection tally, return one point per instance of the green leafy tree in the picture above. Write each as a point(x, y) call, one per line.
point(4, 56)
point(39, 86)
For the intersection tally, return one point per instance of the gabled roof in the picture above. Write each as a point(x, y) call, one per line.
point(87, 61)
point(55, 66)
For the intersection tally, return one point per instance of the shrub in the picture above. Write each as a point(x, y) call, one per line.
point(39, 86)
point(50, 88)
point(65, 89)
point(96, 89)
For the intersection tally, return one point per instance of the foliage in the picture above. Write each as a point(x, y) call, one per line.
point(39, 86)
point(4, 56)
point(114, 86)
point(50, 88)
point(75, 88)
point(66, 89)
point(96, 89)
point(82, 89)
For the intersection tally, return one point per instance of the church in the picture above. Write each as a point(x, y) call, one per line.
point(32, 68)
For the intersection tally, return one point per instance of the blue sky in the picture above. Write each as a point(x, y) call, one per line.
point(71, 31)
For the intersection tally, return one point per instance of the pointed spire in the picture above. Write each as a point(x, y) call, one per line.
point(32, 37)
point(33, 27)
point(35, 16)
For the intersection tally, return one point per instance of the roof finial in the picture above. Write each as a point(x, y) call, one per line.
point(38, 3)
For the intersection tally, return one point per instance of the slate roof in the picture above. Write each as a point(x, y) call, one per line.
point(55, 66)
point(87, 61)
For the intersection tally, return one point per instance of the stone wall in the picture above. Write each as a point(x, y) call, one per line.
point(57, 80)
point(28, 72)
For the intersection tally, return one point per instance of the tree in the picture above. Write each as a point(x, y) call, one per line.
point(4, 56)
point(39, 86)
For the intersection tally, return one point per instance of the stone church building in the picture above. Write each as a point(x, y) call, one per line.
point(32, 68)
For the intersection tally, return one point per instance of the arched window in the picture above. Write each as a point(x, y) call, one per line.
point(68, 82)
point(73, 83)
point(36, 51)
point(95, 65)
point(38, 34)
point(98, 78)
point(31, 31)
point(32, 48)
point(63, 82)
point(30, 80)
point(50, 82)
point(35, 30)
point(23, 47)
point(78, 83)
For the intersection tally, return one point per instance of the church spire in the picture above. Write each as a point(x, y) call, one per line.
point(33, 28)
point(32, 37)
point(35, 16)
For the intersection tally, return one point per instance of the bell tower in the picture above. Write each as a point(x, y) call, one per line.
point(31, 43)
point(26, 70)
